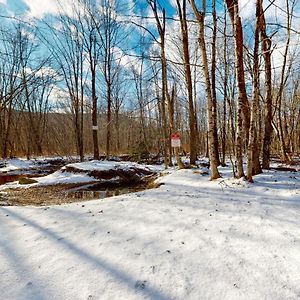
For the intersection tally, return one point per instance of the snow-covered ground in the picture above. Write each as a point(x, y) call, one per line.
point(105, 165)
point(189, 239)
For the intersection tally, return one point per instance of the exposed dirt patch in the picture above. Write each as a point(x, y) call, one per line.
point(41, 195)
point(68, 193)
point(284, 169)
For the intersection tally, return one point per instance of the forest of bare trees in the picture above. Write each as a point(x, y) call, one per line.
point(104, 80)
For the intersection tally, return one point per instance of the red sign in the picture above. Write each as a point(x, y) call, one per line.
point(175, 140)
point(175, 136)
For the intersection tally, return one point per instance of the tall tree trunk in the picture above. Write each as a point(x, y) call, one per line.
point(164, 96)
point(161, 27)
point(117, 126)
point(108, 121)
point(188, 79)
point(225, 93)
point(252, 146)
point(213, 81)
point(283, 78)
point(7, 126)
point(94, 113)
point(243, 110)
point(213, 151)
point(268, 118)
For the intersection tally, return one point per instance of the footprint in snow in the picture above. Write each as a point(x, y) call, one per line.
point(140, 285)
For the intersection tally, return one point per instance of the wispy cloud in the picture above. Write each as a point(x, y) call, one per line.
point(38, 9)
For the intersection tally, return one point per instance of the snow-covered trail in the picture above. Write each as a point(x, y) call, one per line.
point(188, 239)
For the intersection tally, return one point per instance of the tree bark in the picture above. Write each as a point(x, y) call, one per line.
point(268, 117)
point(211, 113)
point(161, 27)
point(188, 79)
point(252, 146)
point(243, 110)
point(225, 94)
point(94, 113)
point(213, 81)
point(233, 9)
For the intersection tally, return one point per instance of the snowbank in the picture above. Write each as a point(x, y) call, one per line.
point(96, 165)
point(17, 164)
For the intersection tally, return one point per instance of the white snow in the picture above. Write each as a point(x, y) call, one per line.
point(189, 239)
point(105, 165)
point(21, 164)
point(55, 178)
point(60, 177)
point(17, 164)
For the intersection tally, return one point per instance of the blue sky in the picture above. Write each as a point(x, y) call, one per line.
point(41, 8)
point(17, 7)
point(20, 6)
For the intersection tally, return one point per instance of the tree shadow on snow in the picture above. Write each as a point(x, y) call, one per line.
point(31, 290)
point(120, 276)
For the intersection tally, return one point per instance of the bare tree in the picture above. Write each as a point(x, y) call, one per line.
point(211, 106)
point(285, 73)
point(252, 146)
point(89, 22)
point(110, 37)
point(181, 8)
point(68, 51)
point(161, 27)
point(268, 117)
point(243, 111)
